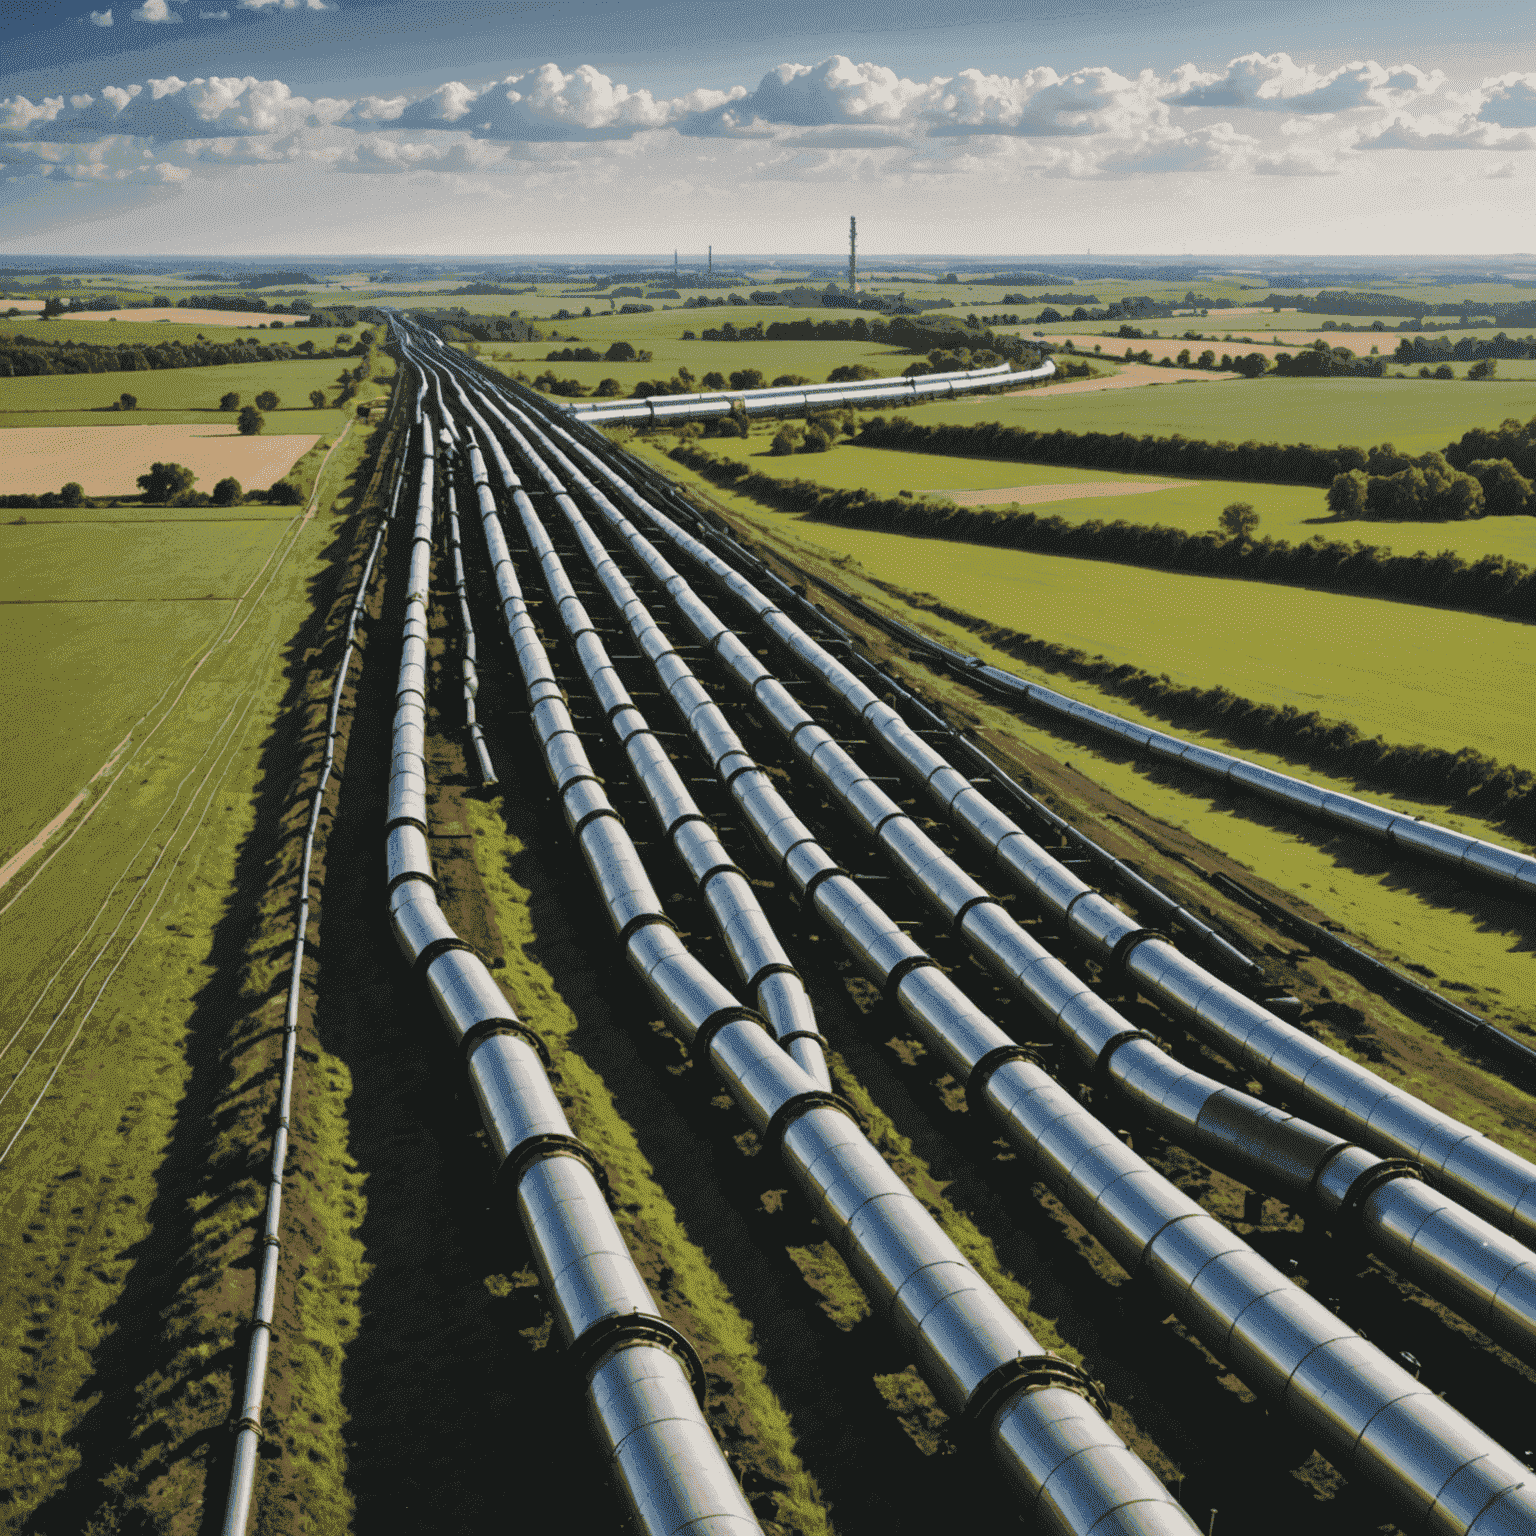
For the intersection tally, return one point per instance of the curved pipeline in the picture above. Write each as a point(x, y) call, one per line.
point(641, 1376)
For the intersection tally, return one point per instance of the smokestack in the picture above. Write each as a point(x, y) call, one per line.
point(853, 254)
point(711, 261)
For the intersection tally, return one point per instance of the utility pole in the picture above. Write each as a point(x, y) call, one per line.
point(853, 254)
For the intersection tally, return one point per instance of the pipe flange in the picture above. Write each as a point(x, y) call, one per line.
point(904, 968)
point(715, 1023)
point(981, 1073)
point(639, 1328)
point(809, 893)
point(488, 1027)
point(1121, 952)
point(786, 1114)
point(1098, 1074)
point(1029, 1373)
point(1371, 1180)
point(434, 950)
point(975, 901)
point(643, 920)
point(804, 1034)
point(550, 1144)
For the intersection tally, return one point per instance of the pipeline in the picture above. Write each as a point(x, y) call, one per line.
point(1340, 1094)
point(1146, 1217)
point(643, 1380)
point(237, 1507)
point(467, 627)
point(1070, 1470)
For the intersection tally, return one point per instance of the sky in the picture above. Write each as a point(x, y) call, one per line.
point(977, 128)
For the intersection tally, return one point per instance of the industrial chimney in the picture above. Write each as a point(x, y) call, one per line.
point(853, 254)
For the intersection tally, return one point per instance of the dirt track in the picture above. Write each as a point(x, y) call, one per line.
point(107, 460)
point(1131, 375)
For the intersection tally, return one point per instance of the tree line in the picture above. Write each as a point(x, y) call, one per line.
point(25, 356)
point(1493, 584)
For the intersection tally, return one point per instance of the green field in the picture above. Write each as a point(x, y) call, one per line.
point(124, 330)
point(1292, 512)
point(1411, 674)
point(1414, 414)
point(176, 394)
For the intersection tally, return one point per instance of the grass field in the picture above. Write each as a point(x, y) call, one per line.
point(1413, 414)
point(1411, 674)
point(1292, 512)
point(176, 394)
point(107, 331)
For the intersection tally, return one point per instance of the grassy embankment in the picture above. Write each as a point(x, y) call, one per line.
point(1292, 512)
point(150, 939)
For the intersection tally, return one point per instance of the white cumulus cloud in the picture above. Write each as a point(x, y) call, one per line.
point(154, 11)
point(1275, 82)
point(101, 18)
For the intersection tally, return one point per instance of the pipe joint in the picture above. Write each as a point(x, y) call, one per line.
point(1028, 1373)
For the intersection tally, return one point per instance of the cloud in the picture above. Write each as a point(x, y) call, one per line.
point(1275, 82)
point(545, 105)
point(1510, 101)
point(1440, 133)
point(154, 11)
point(101, 18)
point(285, 5)
point(214, 15)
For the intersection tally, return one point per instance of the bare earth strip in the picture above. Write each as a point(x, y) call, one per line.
point(246, 317)
point(1130, 375)
point(1028, 495)
point(107, 460)
point(1115, 346)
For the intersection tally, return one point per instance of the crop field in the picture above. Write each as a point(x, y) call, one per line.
point(1414, 414)
point(1409, 673)
point(126, 327)
point(106, 461)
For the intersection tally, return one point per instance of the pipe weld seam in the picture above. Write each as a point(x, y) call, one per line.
point(476, 1037)
point(981, 1073)
point(1028, 1373)
point(596, 813)
point(1087, 890)
point(670, 830)
point(774, 968)
point(787, 1113)
point(410, 874)
point(550, 1144)
point(726, 868)
point(1099, 1075)
point(247, 1425)
point(805, 1034)
point(814, 883)
point(638, 1328)
point(737, 772)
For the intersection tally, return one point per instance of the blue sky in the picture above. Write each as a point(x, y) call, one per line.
point(329, 126)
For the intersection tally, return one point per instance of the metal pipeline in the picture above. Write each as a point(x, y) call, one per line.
point(468, 660)
point(1070, 1470)
point(642, 1377)
point(1304, 1073)
point(1278, 1339)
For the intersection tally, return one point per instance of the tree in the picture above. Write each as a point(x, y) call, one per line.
point(816, 440)
point(748, 378)
point(52, 305)
point(266, 401)
point(127, 402)
point(227, 492)
point(72, 495)
point(164, 482)
point(783, 441)
point(851, 373)
point(1445, 371)
point(1238, 519)
point(713, 381)
point(1506, 492)
point(1485, 368)
point(1346, 496)
point(229, 402)
point(317, 399)
point(251, 421)
point(608, 389)
point(790, 380)
point(619, 352)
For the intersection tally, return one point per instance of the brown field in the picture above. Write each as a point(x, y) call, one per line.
point(25, 305)
point(1114, 346)
point(107, 460)
point(175, 316)
point(1130, 375)
point(1001, 496)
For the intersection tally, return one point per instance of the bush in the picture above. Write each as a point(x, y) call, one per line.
point(267, 401)
point(608, 389)
point(317, 399)
point(816, 440)
point(227, 492)
point(165, 482)
point(619, 352)
point(851, 373)
point(747, 378)
point(712, 381)
point(1445, 371)
point(251, 421)
point(127, 402)
point(1238, 519)
point(783, 441)
point(72, 495)
point(1506, 492)
point(285, 494)
point(790, 380)
point(1485, 368)
point(229, 402)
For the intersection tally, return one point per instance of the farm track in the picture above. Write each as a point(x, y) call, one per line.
point(1196, 1424)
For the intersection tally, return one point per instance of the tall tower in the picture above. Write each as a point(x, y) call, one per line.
point(711, 261)
point(853, 254)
